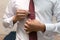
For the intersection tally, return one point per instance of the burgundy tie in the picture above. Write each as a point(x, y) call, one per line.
point(32, 35)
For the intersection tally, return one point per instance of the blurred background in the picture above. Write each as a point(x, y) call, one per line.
point(6, 31)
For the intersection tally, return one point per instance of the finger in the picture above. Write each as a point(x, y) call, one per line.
point(19, 10)
point(21, 17)
point(23, 11)
point(26, 26)
point(27, 31)
point(28, 22)
point(20, 14)
point(27, 13)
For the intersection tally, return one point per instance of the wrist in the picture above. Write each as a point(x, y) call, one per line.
point(14, 19)
point(43, 28)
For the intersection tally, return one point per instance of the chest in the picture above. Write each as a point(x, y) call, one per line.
point(43, 5)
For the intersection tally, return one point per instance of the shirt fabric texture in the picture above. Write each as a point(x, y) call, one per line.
point(44, 10)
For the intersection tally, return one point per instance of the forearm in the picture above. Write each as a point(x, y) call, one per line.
point(8, 22)
point(53, 27)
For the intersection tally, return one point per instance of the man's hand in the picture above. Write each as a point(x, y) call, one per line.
point(34, 25)
point(20, 15)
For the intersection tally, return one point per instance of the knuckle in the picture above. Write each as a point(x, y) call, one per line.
point(24, 24)
point(29, 23)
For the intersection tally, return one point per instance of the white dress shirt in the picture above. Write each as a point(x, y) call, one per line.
point(44, 10)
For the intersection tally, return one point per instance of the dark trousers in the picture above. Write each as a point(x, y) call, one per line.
point(11, 36)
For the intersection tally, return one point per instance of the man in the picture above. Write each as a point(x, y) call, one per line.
point(17, 11)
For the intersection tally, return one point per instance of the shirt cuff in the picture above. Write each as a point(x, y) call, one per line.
point(50, 27)
point(8, 22)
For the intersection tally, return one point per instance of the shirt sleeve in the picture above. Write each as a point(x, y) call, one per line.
point(56, 12)
point(9, 13)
